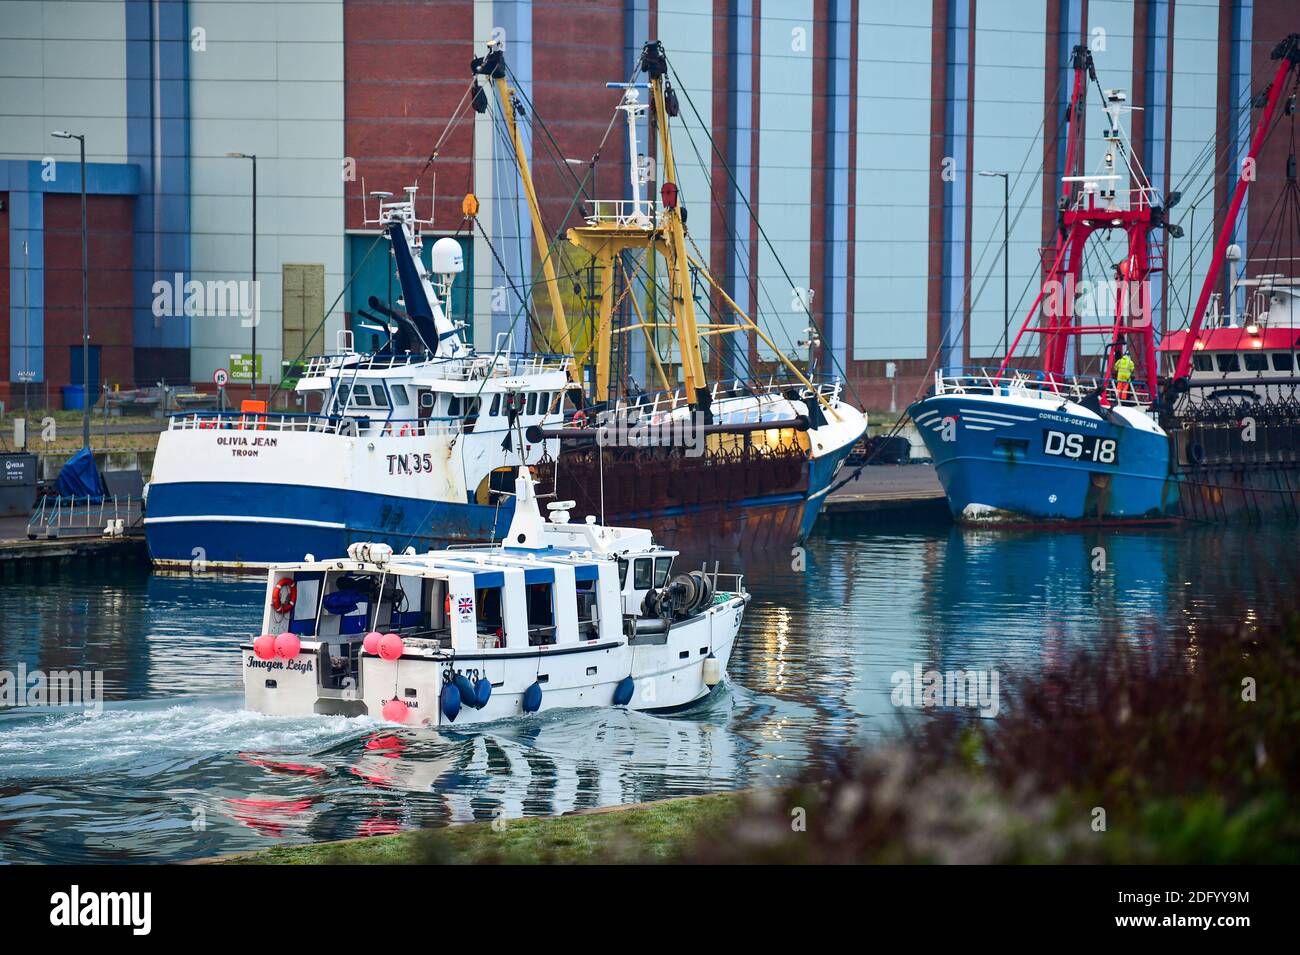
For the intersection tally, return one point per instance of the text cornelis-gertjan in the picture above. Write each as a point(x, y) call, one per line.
point(78, 908)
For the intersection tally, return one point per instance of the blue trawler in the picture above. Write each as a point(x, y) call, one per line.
point(1023, 447)
point(1016, 445)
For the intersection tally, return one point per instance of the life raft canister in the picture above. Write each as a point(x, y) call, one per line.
point(284, 596)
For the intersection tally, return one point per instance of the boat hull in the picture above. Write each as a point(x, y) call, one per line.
point(669, 674)
point(255, 524)
point(224, 499)
point(1005, 461)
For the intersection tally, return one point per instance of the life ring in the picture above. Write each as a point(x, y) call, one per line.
point(406, 431)
point(280, 602)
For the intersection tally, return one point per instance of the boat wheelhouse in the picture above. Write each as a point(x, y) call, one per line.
point(1248, 356)
point(558, 614)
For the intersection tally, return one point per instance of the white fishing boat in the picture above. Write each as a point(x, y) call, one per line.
point(558, 614)
point(410, 445)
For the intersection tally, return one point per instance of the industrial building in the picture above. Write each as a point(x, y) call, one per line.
point(845, 140)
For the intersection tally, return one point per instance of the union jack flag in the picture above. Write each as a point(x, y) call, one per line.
point(465, 606)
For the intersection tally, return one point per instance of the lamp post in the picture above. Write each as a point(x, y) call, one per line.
point(85, 291)
point(1006, 252)
point(252, 371)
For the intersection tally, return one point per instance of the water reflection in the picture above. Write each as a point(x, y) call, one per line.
point(175, 769)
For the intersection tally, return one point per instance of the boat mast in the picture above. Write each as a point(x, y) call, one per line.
point(493, 66)
point(1288, 51)
point(1089, 203)
point(654, 63)
point(615, 226)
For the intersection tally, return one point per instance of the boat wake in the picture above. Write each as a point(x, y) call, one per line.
point(147, 738)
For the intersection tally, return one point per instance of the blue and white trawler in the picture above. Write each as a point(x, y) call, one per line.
point(411, 446)
point(558, 614)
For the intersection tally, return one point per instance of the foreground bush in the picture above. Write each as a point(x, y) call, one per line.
point(1182, 749)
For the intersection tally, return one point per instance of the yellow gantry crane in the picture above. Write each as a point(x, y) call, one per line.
point(640, 223)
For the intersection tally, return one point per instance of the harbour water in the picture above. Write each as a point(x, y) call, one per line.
point(174, 768)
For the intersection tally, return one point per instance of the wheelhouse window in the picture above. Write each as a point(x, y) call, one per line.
point(531, 409)
point(381, 397)
point(662, 566)
point(541, 614)
point(491, 623)
point(1201, 363)
point(361, 397)
point(1228, 363)
point(1256, 361)
point(585, 594)
point(400, 398)
point(1282, 361)
point(642, 573)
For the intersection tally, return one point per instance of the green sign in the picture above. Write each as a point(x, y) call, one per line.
point(290, 372)
point(241, 367)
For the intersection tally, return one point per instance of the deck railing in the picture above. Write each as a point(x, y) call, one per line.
point(304, 423)
point(471, 368)
point(1019, 381)
point(623, 212)
point(57, 516)
point(665, 402)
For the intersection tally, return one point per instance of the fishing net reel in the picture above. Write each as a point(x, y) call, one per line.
point(683, 596)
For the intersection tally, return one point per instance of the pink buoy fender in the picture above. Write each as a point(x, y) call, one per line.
point(264, 647)
point(371, 642)
point(395, 711)
point(287, 646)
point(391, 646)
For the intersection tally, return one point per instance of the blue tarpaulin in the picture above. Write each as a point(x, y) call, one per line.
point(79, 477)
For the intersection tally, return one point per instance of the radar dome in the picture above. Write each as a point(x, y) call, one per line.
point(447, 257)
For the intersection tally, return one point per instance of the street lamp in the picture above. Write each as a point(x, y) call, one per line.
point(1006, 249)
point(252, 372)
point(85, 291)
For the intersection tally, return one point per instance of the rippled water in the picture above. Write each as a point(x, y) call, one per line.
point(174, 768)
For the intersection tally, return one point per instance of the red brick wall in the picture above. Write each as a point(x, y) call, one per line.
point(406, 66)
point(110, 220)
point(583, 50)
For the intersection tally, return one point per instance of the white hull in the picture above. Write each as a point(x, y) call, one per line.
point(667, 676)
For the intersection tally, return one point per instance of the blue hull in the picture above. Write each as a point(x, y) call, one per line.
point(821, 472)
point(253, 524)
point(1005, 461)
point(227, 524)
